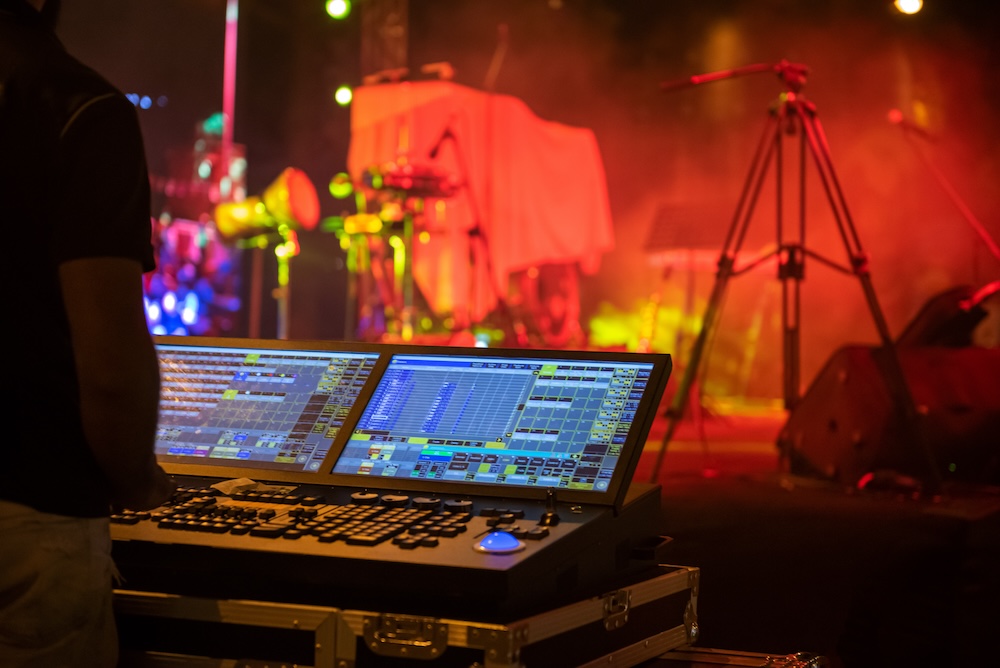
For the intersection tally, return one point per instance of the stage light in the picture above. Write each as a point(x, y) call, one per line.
point(338, 9)
point(362, 223)
point(908, 6)
point(189, 309)
point(169, 302)
point(146, 101)
point(341, 185)
point(205, 169)
point(343, 95)
point(288, 248)
point(153, 310)
point(213, 124)
point(289, 203)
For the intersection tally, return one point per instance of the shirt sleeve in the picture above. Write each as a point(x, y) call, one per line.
point(101, 199)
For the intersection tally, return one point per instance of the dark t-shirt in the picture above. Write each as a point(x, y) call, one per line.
point(73, 184)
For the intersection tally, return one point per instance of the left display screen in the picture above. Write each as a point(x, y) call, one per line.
point(277, 410)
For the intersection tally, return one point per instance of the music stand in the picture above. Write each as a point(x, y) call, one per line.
point(792, 114)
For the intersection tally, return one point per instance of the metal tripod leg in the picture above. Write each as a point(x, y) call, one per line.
point(733, 242)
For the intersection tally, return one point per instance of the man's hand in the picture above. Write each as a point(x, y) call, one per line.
point(157, 491)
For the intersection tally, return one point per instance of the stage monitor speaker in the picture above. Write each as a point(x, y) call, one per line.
point(846, 427)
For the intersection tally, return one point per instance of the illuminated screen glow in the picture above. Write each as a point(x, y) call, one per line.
point(278, 410)
point(527, 422)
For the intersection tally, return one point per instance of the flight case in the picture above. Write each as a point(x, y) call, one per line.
point(623, 627)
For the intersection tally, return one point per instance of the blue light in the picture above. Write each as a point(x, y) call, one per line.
point(169, 302)
point(189, 311)
point(195, 288)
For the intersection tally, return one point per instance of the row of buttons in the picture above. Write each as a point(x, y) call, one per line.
point(370, 519)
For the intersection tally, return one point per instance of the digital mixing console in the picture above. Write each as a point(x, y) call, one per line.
point(429, 479)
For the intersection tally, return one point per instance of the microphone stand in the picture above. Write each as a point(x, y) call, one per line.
point(949, 189)
point(793, 114)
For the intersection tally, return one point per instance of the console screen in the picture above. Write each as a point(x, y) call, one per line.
point(277, 409)
point(512, 421)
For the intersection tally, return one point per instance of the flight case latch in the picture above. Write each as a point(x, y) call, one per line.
point(616, 607)
point(405, 637)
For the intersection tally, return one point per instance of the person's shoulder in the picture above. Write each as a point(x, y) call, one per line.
point(36, 60)
point(78, 79)
point(78, 90)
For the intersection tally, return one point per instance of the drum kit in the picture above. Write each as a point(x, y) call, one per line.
point(379, 241)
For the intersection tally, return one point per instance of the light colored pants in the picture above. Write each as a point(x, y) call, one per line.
point(56, 579)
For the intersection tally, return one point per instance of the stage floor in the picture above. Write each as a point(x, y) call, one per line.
point(796, 564)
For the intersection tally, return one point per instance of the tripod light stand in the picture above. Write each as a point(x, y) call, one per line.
point(289, 204)
point(792, 114)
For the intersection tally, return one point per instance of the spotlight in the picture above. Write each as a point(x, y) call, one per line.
point(338, 9)
point(341, 185)
point(289, 203)
point(908, 6)
point(343, 95)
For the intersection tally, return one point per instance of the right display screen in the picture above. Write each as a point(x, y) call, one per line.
point(509, 421)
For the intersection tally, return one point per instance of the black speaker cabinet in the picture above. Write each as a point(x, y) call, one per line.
point(847, 426)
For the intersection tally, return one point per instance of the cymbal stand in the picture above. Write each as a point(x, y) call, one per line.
point(793, 114)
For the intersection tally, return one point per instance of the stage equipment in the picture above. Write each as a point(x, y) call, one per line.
point(845, 428)
point(195, 288)
point(682, 248)
point(379, 241)
point(950, 318)
point(407, 181)
point(286, 206)
point(520, 183)
point(289, 202)
point(419, 480)
point(637, 621)
point(793, 114)
point(478, 242)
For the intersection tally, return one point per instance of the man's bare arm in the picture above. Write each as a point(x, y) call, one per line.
point(118, 374)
